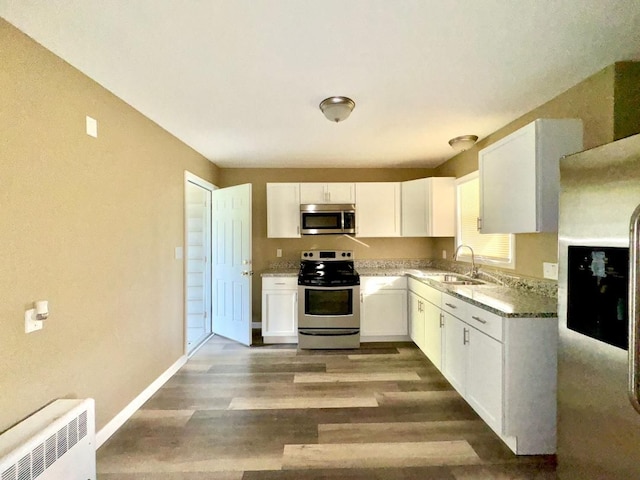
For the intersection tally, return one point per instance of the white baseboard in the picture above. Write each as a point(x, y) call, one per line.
point(116, 422)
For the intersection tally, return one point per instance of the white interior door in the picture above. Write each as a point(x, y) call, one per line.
point(232, 263)
point(198, 263)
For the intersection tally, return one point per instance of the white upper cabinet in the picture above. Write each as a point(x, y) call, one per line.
point(428, 207)
point(520, 177)
point(318, 193)
point(283, 210)
point(378, 209)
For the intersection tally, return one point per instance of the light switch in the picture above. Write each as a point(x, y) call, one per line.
point(92, 127)
point(550, 270)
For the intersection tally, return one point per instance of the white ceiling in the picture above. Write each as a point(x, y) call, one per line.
point(240, 80)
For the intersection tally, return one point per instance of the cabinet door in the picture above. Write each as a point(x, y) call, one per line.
point(313, 193)
point(428, 207)
point(283, 210)
point(414, 208)
point(279, 313)
point(432, 333)
point(508, 184)
point(441, 207)
point(378, 209)
point(520, 178)
point(384, 313)
point(319, 193)
point(484, 378)
point(454, 352)
point(341, 193)
point(416, 320)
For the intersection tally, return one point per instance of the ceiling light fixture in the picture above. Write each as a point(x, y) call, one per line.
point(337, 109)
point(463, 142)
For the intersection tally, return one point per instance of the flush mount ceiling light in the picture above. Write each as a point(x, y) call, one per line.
point(463, 142)
point(337, 109)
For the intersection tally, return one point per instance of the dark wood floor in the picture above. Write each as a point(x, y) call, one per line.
point(272, 412)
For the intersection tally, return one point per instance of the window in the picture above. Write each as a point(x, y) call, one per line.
point(495, 249)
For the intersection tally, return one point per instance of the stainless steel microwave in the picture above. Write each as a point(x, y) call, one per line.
point(327, 219)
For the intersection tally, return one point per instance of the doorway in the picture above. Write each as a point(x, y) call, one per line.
point(198, 304)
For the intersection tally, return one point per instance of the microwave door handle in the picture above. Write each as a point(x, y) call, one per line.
point(342, 220)
point(634, 310)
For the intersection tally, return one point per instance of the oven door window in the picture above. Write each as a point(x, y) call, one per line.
point(328, 302)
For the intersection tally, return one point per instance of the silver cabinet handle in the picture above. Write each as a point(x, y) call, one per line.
point(634, 310)
point(465, 336)
point(450, 305)
point(479, 319)
point(441, 320)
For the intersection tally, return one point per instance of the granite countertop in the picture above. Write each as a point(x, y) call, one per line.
point(505, 301)
point(281, 272)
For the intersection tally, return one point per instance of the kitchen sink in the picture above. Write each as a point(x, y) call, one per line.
point(455, 280)
point(465, 282)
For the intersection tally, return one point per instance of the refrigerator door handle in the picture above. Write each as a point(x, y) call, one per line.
point(634, 310)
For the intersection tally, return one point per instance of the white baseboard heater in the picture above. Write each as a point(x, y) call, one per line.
point(55, 443)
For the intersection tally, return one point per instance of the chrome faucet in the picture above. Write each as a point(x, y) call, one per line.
point(474, 270)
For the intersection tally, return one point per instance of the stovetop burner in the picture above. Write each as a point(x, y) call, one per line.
point(327, 268)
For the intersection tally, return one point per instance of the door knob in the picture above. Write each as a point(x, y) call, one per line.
point(245, 273)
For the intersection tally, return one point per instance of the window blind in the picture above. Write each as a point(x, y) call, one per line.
point(495, 247)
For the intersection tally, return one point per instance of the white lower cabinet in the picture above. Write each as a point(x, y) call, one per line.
point(416, 319)
point(383, 308)
point(425, 320)
point(484, 377)
point(454, 352)
point(280, 309)
point(505, 368)
point(433, 323)
point(472, 362)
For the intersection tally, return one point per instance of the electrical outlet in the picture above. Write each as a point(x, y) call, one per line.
point(278, 252)
point(444, 254)
point(92, 127)
point(550, 270)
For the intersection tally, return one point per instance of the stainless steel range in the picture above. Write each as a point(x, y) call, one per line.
point(329, 300)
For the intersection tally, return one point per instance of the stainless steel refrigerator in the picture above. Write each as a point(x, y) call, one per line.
point(598, 427)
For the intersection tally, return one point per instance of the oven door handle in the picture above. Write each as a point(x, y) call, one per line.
point(328, 333)
point(634, 310)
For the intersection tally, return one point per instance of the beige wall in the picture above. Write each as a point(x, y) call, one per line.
point(90, 225)
point(592, 101)
point(264, 249)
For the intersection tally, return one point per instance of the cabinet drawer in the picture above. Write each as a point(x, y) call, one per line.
point(425, 291)
point(485, 321)
point(373, 284)
point(454, 306)
point(279, 283)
